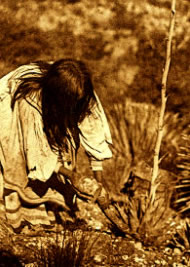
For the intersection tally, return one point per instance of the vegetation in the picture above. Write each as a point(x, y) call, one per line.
point(123, 43)
point(181, 195)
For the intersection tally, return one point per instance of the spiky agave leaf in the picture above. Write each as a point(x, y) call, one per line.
point(122, 210)
point(182, 237)
point(182, 189)
point(136, 212)
point(187, 233)
point(116, 219)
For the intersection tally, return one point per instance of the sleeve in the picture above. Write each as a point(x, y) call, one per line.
point(95, 136)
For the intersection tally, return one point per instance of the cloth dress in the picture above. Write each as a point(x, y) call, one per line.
point(26, 159)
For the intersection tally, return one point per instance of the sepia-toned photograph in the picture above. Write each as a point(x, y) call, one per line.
point(94, 133)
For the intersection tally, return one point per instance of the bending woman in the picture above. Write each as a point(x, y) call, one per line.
point(46, 111)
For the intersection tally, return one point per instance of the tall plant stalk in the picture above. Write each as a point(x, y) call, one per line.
point(156, 161)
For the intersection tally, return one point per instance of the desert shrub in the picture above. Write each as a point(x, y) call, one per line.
point(181, 195)
point(124, 52)
point(63, 251)
point(134, 128)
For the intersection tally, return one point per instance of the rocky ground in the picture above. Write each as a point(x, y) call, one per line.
point(90, 241)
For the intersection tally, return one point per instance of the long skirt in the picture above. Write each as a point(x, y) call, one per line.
point(58, 209)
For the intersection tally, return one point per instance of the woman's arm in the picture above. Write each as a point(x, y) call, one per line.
point(100, 195)
point(75, 177)
point(72, 176)
point(98, 175)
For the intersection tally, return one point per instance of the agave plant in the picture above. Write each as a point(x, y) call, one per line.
point(181, 198)
point(134, 127)
point(145, 220)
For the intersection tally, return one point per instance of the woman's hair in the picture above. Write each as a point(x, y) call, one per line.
point(67, 95)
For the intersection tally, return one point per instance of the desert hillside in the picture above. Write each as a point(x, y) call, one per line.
point(123, 43)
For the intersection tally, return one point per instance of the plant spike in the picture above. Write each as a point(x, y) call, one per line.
point(163, 103)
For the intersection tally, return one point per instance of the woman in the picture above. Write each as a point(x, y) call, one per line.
point(46, 111)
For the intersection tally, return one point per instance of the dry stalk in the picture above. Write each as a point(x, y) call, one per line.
point(156, 160)
point(150, 203)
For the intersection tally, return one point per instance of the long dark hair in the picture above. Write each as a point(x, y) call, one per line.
point(66, 93)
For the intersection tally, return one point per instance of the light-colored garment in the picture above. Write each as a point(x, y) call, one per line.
point(24, 149)
point(95, 134)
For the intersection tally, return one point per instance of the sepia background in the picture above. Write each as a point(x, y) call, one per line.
point(123, 43)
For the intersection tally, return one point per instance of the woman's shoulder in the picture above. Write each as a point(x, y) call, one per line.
point(24, 70)
point(21, 71)
point(10, 81)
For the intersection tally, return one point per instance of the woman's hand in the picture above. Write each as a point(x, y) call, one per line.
point(89, 188)
point(103, 197)
point(85, 187)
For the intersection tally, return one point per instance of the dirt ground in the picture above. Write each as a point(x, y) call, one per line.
point(89, 241)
